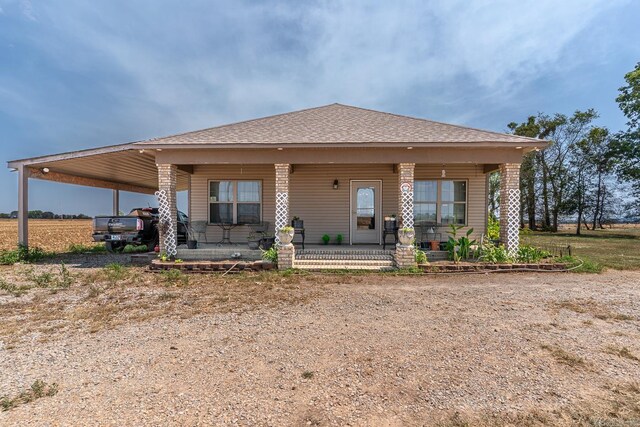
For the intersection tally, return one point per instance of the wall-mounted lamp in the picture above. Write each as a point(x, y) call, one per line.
point(45, 170)
point(444, 173)
point(335, 184)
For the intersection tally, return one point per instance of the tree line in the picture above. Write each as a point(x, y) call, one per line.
point(587, 173)
point(38, 214)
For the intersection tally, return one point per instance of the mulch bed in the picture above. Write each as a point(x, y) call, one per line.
point(479, 267)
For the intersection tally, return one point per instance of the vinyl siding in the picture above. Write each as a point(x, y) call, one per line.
point(323, 209)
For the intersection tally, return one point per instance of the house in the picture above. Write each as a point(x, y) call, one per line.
point(341, 169)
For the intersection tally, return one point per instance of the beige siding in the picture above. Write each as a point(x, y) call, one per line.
point(323, 209)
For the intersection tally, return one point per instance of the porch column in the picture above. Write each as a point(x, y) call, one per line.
point(167, 175)
point(23, 205)
point(510, 206)
point(405, 255)
point(286, 253)
point(116, 202)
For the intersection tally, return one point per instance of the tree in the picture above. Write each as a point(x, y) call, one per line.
point(627, 144)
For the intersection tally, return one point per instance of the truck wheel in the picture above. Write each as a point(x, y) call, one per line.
point(114, 247)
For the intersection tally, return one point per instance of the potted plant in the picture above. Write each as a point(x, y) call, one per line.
point(285, 235)
point(406, 236)
point(253, 241)
point(267, 241)
point(326, 238)
point(435, 245)
point(296, 222)
point(339, 239)
point(192, 242)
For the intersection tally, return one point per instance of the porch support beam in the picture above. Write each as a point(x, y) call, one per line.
point(286, 253)
point(23, 205)
point(510, 206)
point(490, 168)
point(87, 182)
point(116, 202)
point(167, 177)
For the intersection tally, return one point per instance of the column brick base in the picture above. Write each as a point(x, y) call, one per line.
point(405, 256)
point(286, 256)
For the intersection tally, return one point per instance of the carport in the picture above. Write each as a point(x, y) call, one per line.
point(124, 167)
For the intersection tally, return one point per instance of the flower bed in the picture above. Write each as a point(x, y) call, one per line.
point(489, 267)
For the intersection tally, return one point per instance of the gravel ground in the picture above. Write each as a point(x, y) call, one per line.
point(502, 349)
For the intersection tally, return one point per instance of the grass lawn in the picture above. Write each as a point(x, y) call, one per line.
point(617, 248)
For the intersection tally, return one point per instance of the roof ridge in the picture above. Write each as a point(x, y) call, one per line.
point(438, 122)
point(239, 122)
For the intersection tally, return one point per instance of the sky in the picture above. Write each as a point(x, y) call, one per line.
point(79, 74)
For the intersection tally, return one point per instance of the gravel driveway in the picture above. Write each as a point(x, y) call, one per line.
point(378, 350)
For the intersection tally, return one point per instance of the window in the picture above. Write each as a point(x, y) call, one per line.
point(443, 202)
point(237, 202)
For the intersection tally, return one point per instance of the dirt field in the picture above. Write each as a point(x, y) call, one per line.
point(123, 347)
point(54, 235)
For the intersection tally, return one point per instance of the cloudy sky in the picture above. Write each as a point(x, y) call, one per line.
point(77, 74)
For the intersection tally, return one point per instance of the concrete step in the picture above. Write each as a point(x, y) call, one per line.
point(346, 254)
point(351, 264)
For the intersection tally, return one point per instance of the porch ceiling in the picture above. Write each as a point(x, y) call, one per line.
point(121, 168)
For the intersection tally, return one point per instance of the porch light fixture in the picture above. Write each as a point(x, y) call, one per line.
point(444, 173)
point(45, 170)
point(335, 184)
point(518, 148)
point(279, 148)
point(140, 151)
point(409, 148)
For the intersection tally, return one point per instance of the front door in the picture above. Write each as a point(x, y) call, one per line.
point(366, 203)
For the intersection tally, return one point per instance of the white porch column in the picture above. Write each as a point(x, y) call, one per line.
point(405, 194)
point(286, 254)
point(23, 205)
point(167, 176)
point(510, 206)
point(405, 255)
point(116, 202)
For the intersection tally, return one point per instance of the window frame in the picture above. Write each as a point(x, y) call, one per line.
point(439, 182)
point(234, 203)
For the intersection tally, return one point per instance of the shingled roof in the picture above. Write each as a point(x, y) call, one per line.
point(337, 124)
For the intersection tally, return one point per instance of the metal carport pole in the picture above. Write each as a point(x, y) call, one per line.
point(23, 205)
point(116, 202)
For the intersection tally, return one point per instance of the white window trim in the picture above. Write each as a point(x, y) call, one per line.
point(439, 198)
point(235, 202)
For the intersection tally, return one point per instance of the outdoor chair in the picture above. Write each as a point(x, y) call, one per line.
point(390, 227)
point(199, 227)
point(259, 228)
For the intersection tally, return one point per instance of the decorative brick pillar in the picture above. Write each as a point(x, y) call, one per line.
point(286, 253)
point(167, 175)
point(404, 256)
point(510, 206)
point(405, 194)
point(286, 256)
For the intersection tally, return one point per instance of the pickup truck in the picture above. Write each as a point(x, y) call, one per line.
point(139, 227)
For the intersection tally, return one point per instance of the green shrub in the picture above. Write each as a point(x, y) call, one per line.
point(494, 254)
point(22, 254)
point(339, 239)
point(79, 248)
point(531, 254)
point(493, 228)
point(134, 249)
point(326, 238)
point(420, 257)
point(270, 254)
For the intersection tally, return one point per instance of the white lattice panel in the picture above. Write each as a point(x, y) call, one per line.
point(282, 212)
point(513, 221)
point(166, 224)
point(407, 209)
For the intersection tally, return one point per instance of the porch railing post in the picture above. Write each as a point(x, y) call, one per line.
point(167, 176)
point(510, 206)
point(286, 253)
